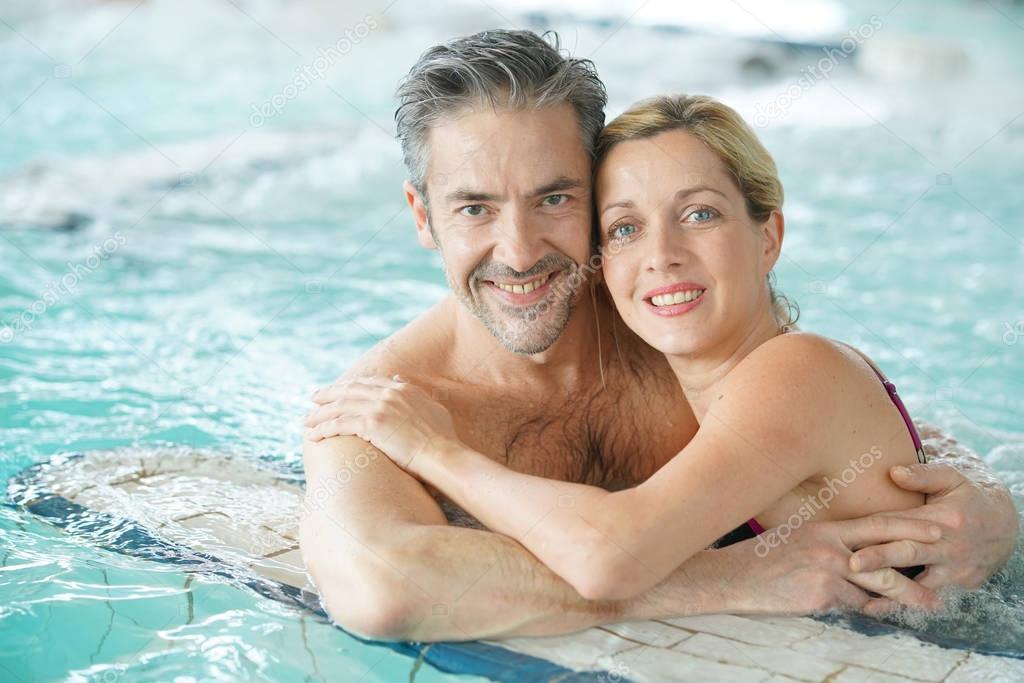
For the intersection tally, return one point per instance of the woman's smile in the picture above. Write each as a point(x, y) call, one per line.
point(673, 300)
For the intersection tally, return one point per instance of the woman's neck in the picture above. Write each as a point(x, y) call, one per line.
point(699, 374)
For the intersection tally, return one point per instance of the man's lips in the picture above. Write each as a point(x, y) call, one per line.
point(523, 292)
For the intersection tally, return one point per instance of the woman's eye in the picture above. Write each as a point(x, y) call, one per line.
point(473, 210)
point(703, 215)
point(555, 199)
point(622, 231)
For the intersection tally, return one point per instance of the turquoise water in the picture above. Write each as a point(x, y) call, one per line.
point(221, 269)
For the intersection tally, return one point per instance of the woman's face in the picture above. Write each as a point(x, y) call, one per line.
point(683, 260)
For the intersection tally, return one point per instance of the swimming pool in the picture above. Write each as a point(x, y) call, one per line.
point(191, 242)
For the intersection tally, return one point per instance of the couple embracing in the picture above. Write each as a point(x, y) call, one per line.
point(613, 416)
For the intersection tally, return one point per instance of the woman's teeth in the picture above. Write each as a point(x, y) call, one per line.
point(524, 288)
point(676, 297)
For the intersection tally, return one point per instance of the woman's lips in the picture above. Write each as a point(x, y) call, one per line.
point(525, 299)
point(671, 310)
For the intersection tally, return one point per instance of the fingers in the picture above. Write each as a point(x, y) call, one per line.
point(932, 478)
point(889, 583)
point(902, 553)
point(925, 513)
point(360, 384)
point(875, 529)
point(343, 425)
point(878, 607)
point(329, 411)
point(849, 596)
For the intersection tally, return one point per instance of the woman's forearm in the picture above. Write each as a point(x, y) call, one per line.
point(511, 502)
point(581, 532)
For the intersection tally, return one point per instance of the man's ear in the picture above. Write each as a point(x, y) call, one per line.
point(419, 215)
point(772, 232)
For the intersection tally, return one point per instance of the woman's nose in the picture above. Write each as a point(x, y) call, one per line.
point(665, 249)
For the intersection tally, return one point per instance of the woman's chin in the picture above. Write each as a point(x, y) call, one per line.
point(677, 343)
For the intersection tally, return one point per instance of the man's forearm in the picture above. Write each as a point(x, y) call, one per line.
point(388, 566)
point(464, 584)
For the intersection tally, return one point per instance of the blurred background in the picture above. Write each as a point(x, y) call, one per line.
point(201, 220)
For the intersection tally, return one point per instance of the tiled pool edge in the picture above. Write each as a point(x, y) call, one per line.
point(710, 647)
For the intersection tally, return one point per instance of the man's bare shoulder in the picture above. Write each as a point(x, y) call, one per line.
point(416, 350)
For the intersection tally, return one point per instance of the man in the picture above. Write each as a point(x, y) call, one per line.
point(497, 132)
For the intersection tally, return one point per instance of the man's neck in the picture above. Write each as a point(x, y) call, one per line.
point(567, 363)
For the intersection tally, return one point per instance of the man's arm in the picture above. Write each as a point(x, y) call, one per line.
point(387, 565)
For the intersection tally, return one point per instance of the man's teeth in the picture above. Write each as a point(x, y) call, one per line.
point(524, 288)
point(676, 297)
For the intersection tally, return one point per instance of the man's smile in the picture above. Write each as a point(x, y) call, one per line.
point(522, 292)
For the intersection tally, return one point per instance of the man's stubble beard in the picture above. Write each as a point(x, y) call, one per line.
point(530, 329)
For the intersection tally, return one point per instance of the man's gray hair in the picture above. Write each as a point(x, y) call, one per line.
point(515, 69)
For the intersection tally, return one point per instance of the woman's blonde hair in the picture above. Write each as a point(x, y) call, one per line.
point(726, 134)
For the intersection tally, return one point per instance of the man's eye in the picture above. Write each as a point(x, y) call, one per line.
point(556, 199)
point(622, 231)
point(473, 210)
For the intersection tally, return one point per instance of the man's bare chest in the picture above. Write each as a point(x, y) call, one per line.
point(580, 439)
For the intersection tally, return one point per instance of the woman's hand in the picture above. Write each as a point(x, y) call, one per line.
point(399, 418)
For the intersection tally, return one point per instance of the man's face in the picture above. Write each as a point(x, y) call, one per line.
point(510, 211)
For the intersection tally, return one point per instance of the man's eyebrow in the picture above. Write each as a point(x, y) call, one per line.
point(463, 194)
point(559, 184)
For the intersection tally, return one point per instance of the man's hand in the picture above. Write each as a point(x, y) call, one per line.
point(979, 530)
point(811, 572)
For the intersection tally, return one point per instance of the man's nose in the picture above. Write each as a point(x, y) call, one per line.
point(519, 244)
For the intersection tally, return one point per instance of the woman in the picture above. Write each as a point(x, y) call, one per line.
point(792, 425)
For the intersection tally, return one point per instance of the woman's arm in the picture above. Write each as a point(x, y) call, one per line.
point(749, 452)
point(615, 545)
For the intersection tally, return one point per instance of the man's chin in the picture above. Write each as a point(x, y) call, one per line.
point(525, 332)
point(528, 347)
point(525, 338)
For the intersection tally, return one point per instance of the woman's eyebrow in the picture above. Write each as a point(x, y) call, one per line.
point(687, 191)
point(625, 204)
point(681, 194)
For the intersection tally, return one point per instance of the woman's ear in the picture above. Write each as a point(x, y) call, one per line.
point(772, 232)
point(420, 215)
